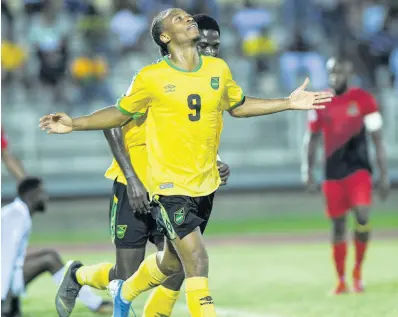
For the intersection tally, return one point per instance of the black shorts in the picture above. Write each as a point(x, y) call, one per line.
point(180, 215)
point(130, 230)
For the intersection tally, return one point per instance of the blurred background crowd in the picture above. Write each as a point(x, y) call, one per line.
point(79, 55)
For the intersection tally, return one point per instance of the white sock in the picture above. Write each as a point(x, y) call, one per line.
point(86, 295)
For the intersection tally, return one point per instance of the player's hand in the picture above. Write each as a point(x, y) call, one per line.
point(137, 196)
point(224, 171)
point(307, 100)
point(384, 187)
point(58, 123)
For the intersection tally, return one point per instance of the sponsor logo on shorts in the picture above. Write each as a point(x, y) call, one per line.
point(165, 217)
point(120, 231)
point(169, 88)
point(208, 300)
point(166, 185)
point(215, 82)
point(179, 216)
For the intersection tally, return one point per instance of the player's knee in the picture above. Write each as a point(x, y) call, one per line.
point(170, 265)
point(362, 215)
point(339, 229)
point(128, 262)
point(52, 260)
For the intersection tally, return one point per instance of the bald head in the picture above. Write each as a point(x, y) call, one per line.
point(339, 71)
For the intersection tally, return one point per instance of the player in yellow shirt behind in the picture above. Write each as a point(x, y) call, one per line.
point(184, 96)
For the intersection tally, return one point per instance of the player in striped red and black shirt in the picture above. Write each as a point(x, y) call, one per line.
point(352, 115)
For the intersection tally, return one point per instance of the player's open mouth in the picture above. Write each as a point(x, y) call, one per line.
point(193, 25)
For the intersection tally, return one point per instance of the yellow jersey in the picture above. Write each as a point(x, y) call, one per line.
point(134, 136)
point(184, 122)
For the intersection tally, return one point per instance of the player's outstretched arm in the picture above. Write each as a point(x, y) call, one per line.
point(136, 191)
point(105, 118)
point(298, 100)
point(310, 145)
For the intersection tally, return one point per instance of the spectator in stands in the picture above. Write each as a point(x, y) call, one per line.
point(297, 12)
point(32, 8)
point(49, 41)
point(375, 51)
point(300, 59)
point(373, 17)
point(76, 7)
point(7, 22)
point(253, 26)
point(13, 56)
point(90, 75)
point(94, 28)
point(90, 70)
point(394, 67)
point(129, 24)
point(331, 13)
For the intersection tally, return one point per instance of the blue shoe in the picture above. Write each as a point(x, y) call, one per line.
point(120, 307)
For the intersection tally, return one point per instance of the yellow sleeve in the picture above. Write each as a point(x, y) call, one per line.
point(137, 99)
point(233, 94)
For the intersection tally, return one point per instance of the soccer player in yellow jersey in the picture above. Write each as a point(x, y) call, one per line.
point(184, 96)
point(130, 227)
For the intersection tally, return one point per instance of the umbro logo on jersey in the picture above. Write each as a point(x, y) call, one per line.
point(166, 186)
point(352, 109)
point(169, 88)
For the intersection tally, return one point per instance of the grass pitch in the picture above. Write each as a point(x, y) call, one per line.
point(286, 280)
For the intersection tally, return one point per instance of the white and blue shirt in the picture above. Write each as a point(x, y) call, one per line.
point(16, 225)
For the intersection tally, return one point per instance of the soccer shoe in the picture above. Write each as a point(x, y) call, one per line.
point(68, 290)
point(106, 308)
point(358, 286)
point(120, 307)
point(341, 289)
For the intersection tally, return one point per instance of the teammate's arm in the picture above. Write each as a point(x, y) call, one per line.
point(136, 191)
point(298, 100)
point(373, 124)
point(12, 164)
point(223, 170)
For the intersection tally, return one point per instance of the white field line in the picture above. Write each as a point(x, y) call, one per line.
point(231, 312)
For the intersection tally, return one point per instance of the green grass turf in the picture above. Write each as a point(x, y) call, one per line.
point(270, 281)
point(279, 222)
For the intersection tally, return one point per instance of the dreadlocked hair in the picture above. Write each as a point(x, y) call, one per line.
point(157, 29)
